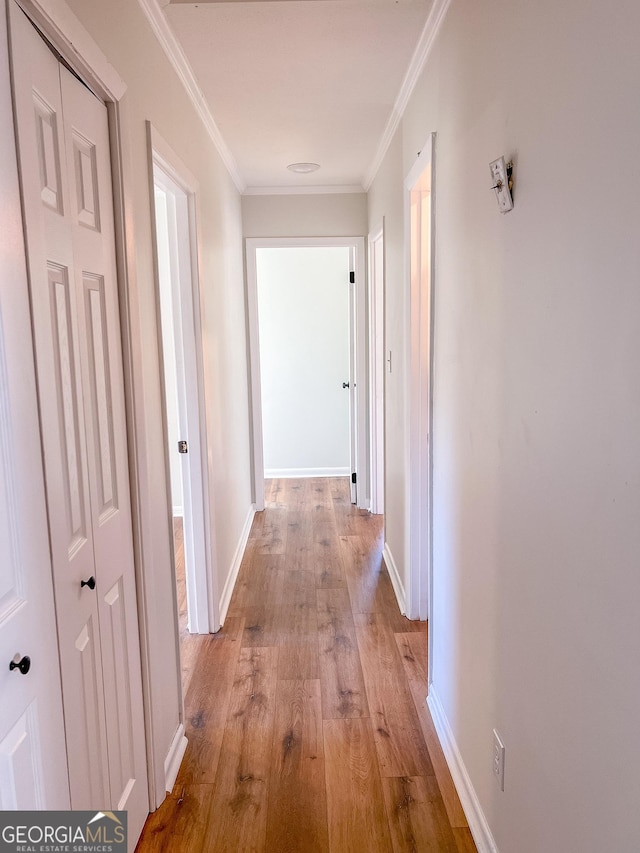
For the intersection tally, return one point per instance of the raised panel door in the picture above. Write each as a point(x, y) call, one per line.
point(52, 281)
point(33, 769)
point(67, 198)
point(91, 217)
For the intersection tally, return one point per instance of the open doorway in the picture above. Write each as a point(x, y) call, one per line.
point(305, 365)
point(419, 189)
point(308, 361)
point(174, 214)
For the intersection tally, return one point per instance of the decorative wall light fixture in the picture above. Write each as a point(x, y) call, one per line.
point(502, 178)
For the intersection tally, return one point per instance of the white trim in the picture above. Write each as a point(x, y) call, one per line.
point(302, 242)
point(290, 473)
point(362, 458)
point(362, 378)
point(169, 161)
point(476, 818)
point(181, 66)
point(377, 366)
point(178, 511)
point(202, 591)
point(396, 582)
point(65, 31)
point(232, 577)
point(418, 61)
point(423, 158)
point(174, 758)
point(139, 460)
point(418, 401)
point(255, 380)
point(312, 190)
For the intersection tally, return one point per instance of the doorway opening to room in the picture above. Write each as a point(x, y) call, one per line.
point(185, 435)
point(308, 362)
point(419, 193)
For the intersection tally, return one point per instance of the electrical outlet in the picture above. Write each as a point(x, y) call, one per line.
point(498, 759)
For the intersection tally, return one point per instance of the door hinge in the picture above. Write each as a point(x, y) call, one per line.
point(352, 277)
point(182, 447)
point(354, 478)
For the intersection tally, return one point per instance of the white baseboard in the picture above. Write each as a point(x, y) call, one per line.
point(476, 819)
point(398, 586)
point(174, 758)
point(232, 577)
point(178, 512)
point(287, 473)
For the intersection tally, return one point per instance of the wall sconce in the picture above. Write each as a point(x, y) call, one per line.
point(502, 177)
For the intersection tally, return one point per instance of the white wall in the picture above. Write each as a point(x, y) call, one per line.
point(321, 215)
point(303, 307)
point(536, 410)
point(155, 93)
point(169, 351)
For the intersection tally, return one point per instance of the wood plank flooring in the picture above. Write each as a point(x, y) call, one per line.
point(306, 716)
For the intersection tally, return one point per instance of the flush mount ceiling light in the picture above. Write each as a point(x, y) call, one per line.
point(303, 168)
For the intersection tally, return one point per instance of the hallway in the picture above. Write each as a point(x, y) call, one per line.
point(306, 716)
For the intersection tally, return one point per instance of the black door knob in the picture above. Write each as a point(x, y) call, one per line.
point(345, 384)
point(23, 665)
point(91, 583)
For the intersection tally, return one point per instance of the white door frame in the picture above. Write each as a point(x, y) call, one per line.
point(357, 244)
point(69, 37)
point(200, 573)
point(376, 369)
point(419, 397)
point(352, 313)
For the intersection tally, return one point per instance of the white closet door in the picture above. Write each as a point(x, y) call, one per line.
point(67, 191)
point(46, 201)
point(91, 213)
point(33, 770)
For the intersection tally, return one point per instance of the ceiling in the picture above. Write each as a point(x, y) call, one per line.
point(300, 80)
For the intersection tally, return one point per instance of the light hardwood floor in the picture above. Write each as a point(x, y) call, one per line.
point(306, 716)
point(190, 644)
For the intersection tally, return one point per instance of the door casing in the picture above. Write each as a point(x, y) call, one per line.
point(202, 592)
point(419, 388)
point(376, 366)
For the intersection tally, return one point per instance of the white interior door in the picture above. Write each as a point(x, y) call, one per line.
point(33, 769)
point(91, 194)
point(353, 412)
point(51, 272)
point(175, 275)
point(67, 196)
point(358, 391)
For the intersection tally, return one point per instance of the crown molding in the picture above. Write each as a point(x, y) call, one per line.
point(416, 66)
point(312, 190)
point(180, 63)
